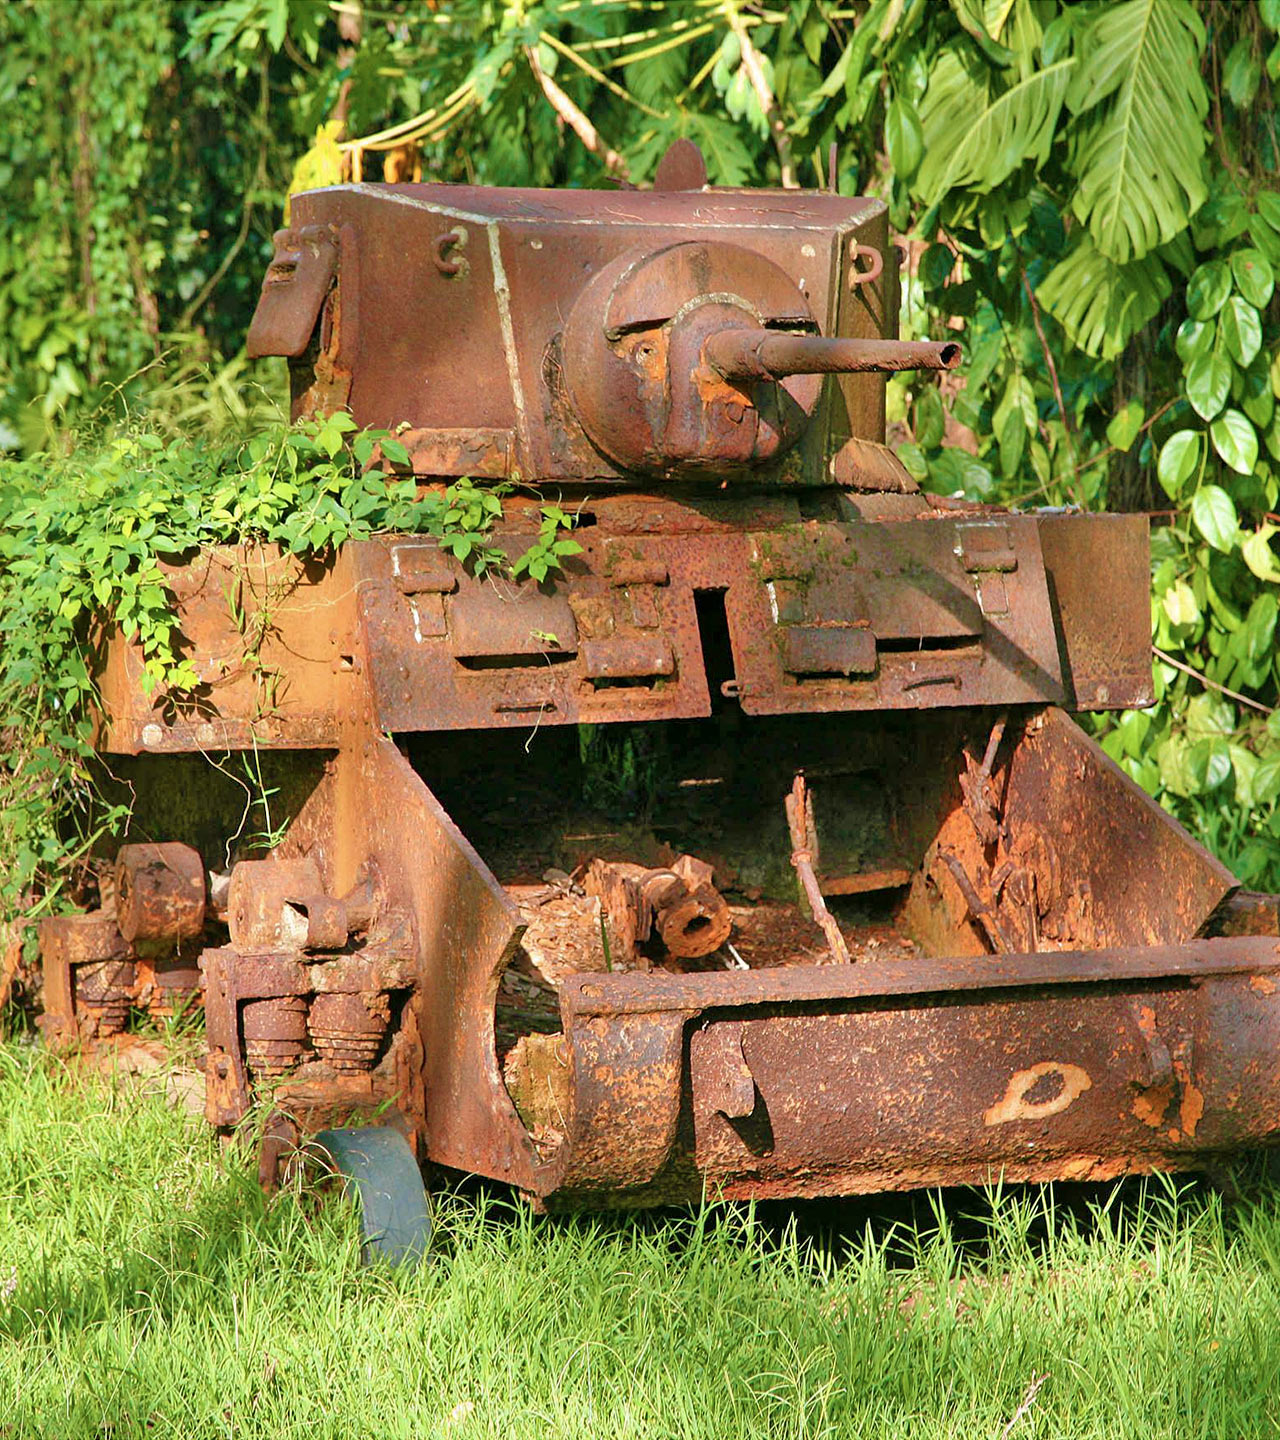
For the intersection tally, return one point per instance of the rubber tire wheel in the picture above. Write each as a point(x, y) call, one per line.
point(378, 1166)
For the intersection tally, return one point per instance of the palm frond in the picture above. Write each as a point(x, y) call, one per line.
point(1141, 104)
point(975, 135)
point(1100, 303)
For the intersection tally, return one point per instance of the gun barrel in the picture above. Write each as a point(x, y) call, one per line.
point(749, 354)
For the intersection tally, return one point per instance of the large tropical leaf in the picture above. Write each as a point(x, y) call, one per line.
point(1139, 158)
point(976, 134)
point(1099, 303)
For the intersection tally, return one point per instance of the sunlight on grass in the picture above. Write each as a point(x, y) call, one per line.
point(147, 1289)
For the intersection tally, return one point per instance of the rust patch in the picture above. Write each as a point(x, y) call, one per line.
point(1150, 1105)
point(1262, 985)
point(1191, 1109)
point(1032, 1094)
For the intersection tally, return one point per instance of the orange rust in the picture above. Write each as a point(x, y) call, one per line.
point(1015, 1105)
point(722, 578)
point(1150, 1105)
point(1191, 1109)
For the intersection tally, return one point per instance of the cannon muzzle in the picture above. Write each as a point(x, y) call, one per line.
point(749, 354)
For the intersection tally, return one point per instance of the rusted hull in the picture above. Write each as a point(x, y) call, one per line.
point(924, 607)
point(961, 943)
point(836, 1081)
point(365, 961)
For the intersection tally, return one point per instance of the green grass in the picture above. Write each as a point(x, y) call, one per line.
point(147, 1290)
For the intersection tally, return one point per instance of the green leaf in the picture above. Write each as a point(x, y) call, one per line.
point(1266, 781)
point(1015, 419)
point(972, 18)
point(1139, 161)
point(330, 440)
point(903, 137)
point(1179, 604)
point(1259, 556)
point(1194, 337)
point(1268, 203)
point(1214, 513)
point(936, 265)
point(1101, 304)
point(729, 162)
point(1012, 438)
point(1260, 628)
point(1236, 441)
point(1269, 13)
point(1179, 458)
point(1241, 328)
point(1209, 715)
point(1256, 397)
point(930, 421)
point(394, 451)
point(1241, 73)
point(1223, 218)
point(1209, 762)
point(1207, 290)
point(912, 457)
point(977, 135)
point(1209, 384)
point(1126, 424)
point(1254, 276)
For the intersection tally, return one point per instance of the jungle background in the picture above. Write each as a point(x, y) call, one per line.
point(1087, 194)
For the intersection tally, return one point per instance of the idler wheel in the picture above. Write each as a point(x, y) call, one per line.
point(380, 1169)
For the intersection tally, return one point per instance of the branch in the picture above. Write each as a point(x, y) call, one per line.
point(598, 76)
point(574, 118)
point(1028, 1400)
point(1053, 371)
point(256, 187)
point(768, 100)
point(1210, 684)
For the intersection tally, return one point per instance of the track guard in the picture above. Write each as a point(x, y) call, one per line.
point(380, 1169)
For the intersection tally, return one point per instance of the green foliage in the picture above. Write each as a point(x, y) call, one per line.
point(81, 541)
point(138, 206)
point(149, 1291)
point(1139, 138)
point(1089, 188)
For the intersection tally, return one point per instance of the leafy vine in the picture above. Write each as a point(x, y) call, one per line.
point(81, 540)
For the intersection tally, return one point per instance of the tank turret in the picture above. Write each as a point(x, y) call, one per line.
point(603, 338)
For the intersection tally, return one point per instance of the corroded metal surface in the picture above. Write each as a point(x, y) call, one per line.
point(744, 354)
point(895, 1075)
point(943, 609)
point(296, 285)
point(1099, 582)
point(699, 376)
point(1058, 850)
point(516, 261)
point(160, 893)
point(822, 617)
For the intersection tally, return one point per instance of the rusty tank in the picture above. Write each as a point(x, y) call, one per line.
point(756, 853)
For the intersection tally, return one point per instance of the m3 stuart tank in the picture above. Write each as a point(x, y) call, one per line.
point(886, 916)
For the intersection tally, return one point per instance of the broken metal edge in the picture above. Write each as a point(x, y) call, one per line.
point(584, 996)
